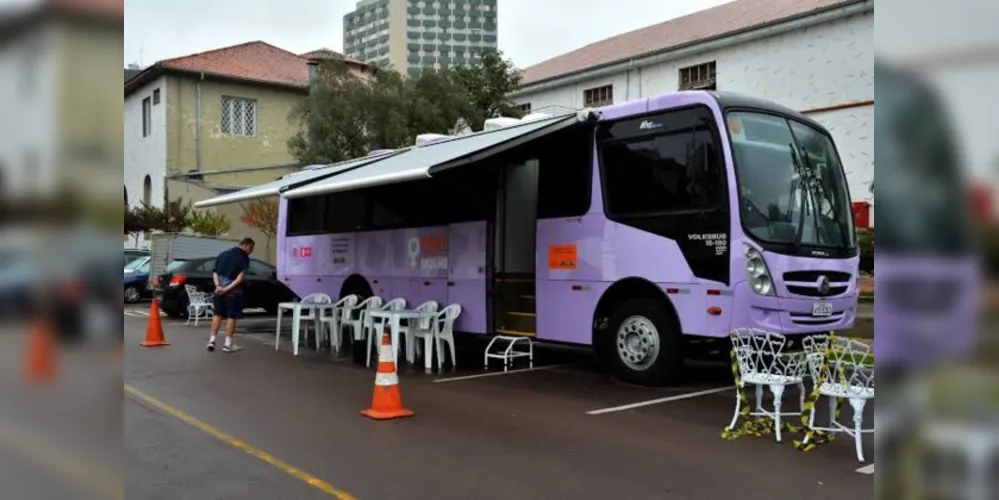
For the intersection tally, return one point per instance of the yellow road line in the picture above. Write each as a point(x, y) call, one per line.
point(73, 470)
point(238, 444)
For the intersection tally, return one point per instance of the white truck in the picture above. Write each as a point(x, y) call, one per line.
point(168, 247)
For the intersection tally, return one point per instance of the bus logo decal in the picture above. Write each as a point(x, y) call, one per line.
point(649, 125)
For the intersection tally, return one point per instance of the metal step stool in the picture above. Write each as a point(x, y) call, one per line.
point(508, 352)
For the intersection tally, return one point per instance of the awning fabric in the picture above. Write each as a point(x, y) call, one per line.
point(292, 180)
point(424, 161)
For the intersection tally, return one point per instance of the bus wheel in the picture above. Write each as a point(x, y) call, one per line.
point(643, 343)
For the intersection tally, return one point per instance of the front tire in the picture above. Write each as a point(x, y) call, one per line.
point(132, 295)
point(643, 343)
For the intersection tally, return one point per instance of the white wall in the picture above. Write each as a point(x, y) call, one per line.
point(28, 98)
point(816, 67)
point(145, 155)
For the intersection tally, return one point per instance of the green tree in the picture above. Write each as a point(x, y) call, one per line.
point(487, 87)
point(346, 116)
point(209, 223)
point(174, 217)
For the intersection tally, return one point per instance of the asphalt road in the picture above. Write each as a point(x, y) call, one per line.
point(264, 424)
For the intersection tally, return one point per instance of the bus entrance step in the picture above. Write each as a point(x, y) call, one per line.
point(508, 348)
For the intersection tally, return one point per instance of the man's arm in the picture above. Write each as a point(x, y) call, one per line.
point(236, 282)
point(215, 274)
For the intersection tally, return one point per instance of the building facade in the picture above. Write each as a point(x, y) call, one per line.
point(410, 35)
point(199, 125)
point(60, 126)
point(815, 56)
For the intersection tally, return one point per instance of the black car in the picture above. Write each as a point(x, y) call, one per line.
point(261, 286)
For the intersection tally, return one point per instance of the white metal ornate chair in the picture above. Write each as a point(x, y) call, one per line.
point(842, 368)
point(199, 304)
point(339, 316)
point(762, 361)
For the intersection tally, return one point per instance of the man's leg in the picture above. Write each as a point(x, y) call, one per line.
point(234, 309)
point(218, 308)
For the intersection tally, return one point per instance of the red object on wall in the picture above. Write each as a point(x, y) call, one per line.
point(862, 214)
point(981, 198)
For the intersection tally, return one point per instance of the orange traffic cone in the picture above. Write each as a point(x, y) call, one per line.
point(154, 329)
point(41, 353)
point(387, 401)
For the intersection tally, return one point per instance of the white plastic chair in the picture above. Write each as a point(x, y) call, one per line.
point(374, 326)
point(841, 369)
point(199, 305)
point(443, 331)
point(340, 315)
point(762, 362)
point(421, 328)
point(311, 316)
point(359, 317)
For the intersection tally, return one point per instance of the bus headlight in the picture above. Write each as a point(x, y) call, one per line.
point(757, 272)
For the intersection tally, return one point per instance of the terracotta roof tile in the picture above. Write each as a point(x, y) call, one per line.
point(257, 61)
point(325, 53)
point(706, 24)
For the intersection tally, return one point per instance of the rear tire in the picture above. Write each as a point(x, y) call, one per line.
point(643, 344)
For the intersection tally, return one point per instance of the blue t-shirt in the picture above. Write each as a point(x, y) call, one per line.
point(229, 264)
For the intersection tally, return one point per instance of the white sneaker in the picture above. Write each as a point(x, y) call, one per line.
point(231, 348)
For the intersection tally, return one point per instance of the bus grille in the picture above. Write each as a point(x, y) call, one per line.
point(806, 283)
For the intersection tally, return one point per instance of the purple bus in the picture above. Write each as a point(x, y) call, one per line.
point(634, 228)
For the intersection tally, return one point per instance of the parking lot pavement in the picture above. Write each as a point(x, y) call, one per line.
point(526, 434)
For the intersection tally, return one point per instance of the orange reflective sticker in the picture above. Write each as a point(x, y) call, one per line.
point(562, 257)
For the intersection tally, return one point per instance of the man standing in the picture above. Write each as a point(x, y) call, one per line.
point(229, 274)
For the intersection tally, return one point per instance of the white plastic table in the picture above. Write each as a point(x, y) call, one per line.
point(296, 309)
point(393, 318)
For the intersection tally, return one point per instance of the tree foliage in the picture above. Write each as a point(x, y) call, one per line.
point(174, 217)
point(209, 223)
point(347, 116)
point(262, 215)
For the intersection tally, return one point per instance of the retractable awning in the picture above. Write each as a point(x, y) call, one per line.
point(424, 161)
point(293, 180)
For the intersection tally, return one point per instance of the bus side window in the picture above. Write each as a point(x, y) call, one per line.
point(565, 173)
point(676, 170)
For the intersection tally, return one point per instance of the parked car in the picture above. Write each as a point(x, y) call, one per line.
point(18, 276)
point(262, 288)
point(137, 280)
point(133, 254)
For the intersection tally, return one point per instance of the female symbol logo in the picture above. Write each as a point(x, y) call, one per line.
point(414, 251)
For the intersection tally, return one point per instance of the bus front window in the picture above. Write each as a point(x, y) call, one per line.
point(792, 190)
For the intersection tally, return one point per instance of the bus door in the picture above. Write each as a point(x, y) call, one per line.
point(514, 233)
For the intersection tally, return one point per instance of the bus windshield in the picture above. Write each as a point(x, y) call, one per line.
point(920, 170)
point(792, 189)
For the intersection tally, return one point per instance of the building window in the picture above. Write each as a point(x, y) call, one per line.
point(600, 96)
point(156, 97)
point(525, 109)
point(147, 117)
point(239, 116)
point(700, 77)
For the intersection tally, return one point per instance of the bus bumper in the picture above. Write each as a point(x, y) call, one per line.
point(790, 316)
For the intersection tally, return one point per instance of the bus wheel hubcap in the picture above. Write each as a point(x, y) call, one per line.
point(637, 343)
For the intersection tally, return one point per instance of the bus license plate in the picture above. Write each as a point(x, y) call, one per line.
point(822, 309)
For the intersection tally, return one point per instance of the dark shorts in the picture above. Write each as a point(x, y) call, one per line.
point(228, 306)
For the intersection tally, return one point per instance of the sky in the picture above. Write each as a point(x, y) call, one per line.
point(530, 31)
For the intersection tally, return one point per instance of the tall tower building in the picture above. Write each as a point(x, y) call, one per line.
point(409, 35)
